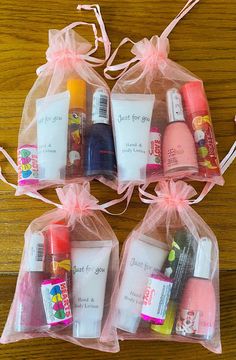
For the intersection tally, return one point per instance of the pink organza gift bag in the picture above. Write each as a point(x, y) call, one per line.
point(160, 114)
point(168, 283)
point(65, 134)
point(67, 274)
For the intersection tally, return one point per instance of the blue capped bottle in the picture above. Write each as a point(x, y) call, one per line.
point(99, 148)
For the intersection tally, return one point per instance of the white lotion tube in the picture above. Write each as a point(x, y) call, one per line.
point(90, 261)
point(146, 256)
point(132, 114)
point(52, 128)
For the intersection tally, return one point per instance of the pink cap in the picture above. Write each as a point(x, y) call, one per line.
point(58, 237)
point(194, 97)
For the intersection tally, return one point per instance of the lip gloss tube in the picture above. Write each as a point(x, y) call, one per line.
point(198, 115)
point(56, 291)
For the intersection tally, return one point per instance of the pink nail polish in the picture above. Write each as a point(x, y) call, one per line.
point(196, 317)
point(179, 153)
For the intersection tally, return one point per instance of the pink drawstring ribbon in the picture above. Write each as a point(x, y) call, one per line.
point(179, 193)
point(146, 50)
point(54, 53)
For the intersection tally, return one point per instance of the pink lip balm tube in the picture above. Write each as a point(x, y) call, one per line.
point(156, 298)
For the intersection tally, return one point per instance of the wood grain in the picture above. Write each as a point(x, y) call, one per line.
point(204, 42)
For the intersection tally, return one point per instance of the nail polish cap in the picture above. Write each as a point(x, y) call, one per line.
point(174, 105)
point(77, 89)
point(194, 97)
point(58, 239)
point(100, 110)
point(203, 259)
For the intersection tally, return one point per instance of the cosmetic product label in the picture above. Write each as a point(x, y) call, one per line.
point(206, 146)
point(100, 112)
point(27, 165)
point(154, 157)
point(188, 322)
point(56, 302)
point(156, 298)
point(35, 253)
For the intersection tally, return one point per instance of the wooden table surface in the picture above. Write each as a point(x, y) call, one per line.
point(204, 42)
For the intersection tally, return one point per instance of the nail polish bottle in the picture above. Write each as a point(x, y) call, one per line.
point(30, 316)
point(199, 121)
point(197, 310)
point(179, 153)
point(99, 149)
point(179, 266)
point(76, 123)
point(56, 290)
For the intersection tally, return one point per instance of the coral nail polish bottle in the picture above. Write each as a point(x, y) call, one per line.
point(179, 153)
point(197, 311)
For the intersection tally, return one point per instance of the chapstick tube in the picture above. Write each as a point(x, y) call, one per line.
point(52, 128)
point(146, 256)
point(90, 261)
point(132, 114)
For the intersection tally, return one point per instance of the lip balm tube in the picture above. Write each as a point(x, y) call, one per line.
point(154, 164)
point(52, 128)
point(146, 256)
point(90, 262)
point(132, 114)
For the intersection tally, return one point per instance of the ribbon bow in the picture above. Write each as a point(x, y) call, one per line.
point(64, 264)
point(66, 44)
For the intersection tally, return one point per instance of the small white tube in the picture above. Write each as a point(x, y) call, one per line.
point(90, 261)
point(132, 115)
point(146, 256)
point(52, 128)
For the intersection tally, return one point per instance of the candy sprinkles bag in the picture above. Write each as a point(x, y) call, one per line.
point(65, 134)
point(66, 278)
point(161, 119)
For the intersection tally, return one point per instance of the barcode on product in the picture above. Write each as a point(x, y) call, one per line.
point(39, 252)
point(103, 106)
